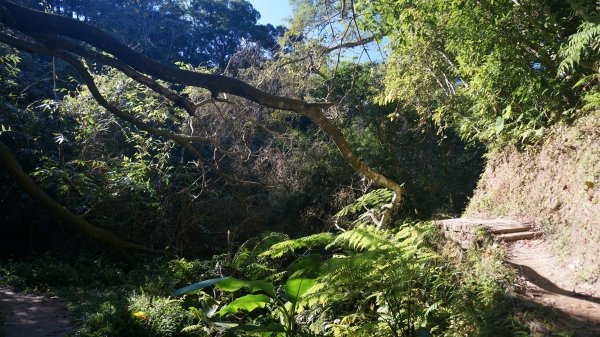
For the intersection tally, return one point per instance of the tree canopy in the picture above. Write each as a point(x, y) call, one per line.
point(200, 32)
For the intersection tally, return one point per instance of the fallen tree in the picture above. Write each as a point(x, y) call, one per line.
point(71, 40)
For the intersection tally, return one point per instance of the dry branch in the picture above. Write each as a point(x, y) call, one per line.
point(38, 24)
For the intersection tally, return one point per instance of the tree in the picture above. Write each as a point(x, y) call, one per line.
point(486, 68)
point(54, 35)
point(200, 32)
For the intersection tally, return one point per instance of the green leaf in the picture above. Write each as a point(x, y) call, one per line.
point(247, 303)
point(499, 124)
point(507, 112)
point(305, 267)
point(297, 287)
point(196, 286)
point(231, 284)
point(260, 285)
point(225, 325)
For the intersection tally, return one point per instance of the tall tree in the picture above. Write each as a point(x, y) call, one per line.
point(199, 32)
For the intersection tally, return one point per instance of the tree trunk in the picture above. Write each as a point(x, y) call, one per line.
point(10, 164)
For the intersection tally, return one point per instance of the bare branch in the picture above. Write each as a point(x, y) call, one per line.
point(35, 23)
point(352, 44)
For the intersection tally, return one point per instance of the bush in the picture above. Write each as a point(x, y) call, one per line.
point(157, 316)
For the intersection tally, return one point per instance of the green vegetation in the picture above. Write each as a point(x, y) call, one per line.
point(493, 70)
point(195, 173)
point(394, 283)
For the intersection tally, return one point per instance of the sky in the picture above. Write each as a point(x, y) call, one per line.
point(275, 11)
point(272, 11)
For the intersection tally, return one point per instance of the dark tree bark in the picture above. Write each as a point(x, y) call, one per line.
point(10, 164)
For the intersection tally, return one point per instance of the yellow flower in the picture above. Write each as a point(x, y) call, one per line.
point(140, 315)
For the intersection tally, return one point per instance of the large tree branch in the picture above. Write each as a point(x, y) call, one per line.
point(88, 79)
point(35, 24)
point(79, 49)
point(352, 44)
point(32, 22)
point(11, 165)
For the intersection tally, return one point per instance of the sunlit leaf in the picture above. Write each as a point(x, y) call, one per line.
point(247, 303)
point(297, 287)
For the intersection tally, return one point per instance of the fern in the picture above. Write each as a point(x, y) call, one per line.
point(389, 273)
point(363, 237)
point(373, 199)
point(593, 101)
point(279, 249)
point(587, 38)
point(248, 257)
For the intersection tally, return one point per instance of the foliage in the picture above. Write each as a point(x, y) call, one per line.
point(283, 304)
point(9, 61)
point(487, 69)
point(157, 316)
point(248, 258)
point(366, 281)
point(199, 32)
point(587, 39)
point(483, 71)
point(110, 299)
point(372, 206)
point(280, 249)
point(372, 282)
point(438, 169)
point(582, 48)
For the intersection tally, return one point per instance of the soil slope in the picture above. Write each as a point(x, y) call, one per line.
point(555, 185)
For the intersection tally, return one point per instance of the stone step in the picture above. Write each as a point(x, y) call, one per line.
point(510, 237)
point(465, 231)
point(504, 228)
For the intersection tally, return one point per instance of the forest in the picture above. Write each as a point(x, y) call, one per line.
point(176, 168)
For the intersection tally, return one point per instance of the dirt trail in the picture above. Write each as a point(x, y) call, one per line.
point(549, 284)
point(32, 316)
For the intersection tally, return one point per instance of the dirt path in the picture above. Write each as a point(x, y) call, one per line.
point(547, 283)
point(32, 316)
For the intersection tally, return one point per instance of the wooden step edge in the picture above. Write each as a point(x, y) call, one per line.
point(507, 229)
point(510, 237)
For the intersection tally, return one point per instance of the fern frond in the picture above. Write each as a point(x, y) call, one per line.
point(279, 249)
point(363, 237)
point(250, 250)
point(593, 101)
point(373, 199)
point(586, 38)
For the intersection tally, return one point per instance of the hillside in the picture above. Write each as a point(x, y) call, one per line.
point(557, 186)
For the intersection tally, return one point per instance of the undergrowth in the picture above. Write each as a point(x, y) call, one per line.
point(361, 282)
point(107, 298)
